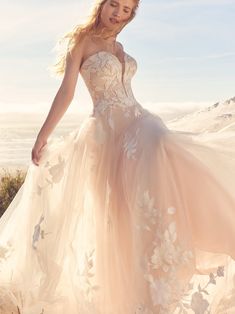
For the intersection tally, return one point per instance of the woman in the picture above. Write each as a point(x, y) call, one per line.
point(122, 215)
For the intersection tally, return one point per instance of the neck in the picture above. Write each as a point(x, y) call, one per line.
point(111, 39)
point(108, 34)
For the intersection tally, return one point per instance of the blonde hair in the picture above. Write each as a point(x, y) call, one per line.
point(73, 37)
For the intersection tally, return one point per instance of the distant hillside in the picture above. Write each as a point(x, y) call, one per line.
point(214, 118)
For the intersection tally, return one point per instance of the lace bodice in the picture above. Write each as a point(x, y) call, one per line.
point(106, 81)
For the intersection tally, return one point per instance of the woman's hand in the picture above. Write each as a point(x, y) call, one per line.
point(37, 150)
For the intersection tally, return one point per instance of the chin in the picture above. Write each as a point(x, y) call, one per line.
point(107, 24)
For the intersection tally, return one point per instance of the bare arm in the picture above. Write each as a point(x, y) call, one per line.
point(65, 93)
point(61, 101)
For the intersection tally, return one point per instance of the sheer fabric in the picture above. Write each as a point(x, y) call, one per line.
point(123, 215)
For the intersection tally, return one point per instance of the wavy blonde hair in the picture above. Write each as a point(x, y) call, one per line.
point(72, 38)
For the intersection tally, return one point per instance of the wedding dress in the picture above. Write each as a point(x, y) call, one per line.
point(123, 215)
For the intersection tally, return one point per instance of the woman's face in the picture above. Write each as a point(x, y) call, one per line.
point(115, 13)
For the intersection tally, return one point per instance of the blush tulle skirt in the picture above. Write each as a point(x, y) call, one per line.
point(142, 223)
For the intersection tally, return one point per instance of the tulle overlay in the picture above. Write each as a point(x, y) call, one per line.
point(123, 215)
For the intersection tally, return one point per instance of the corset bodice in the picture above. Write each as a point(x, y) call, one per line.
point(109, 84)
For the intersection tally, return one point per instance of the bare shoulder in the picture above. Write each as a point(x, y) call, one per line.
point(79, 48)
point(120, 45)
point(90, 46)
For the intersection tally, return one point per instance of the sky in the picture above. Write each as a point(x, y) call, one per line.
point(185, 51)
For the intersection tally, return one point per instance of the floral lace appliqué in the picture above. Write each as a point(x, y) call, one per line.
point(130, 144)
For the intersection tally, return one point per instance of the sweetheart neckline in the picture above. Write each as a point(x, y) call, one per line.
point(109, 53)
point(122, 64)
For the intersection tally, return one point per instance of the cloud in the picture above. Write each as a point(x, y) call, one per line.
point(32, 21)
point(198, 57)
point(172, 22)
point(169, 5)
point(220, 56)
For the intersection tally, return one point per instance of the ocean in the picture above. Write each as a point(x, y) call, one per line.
point(18, 132)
